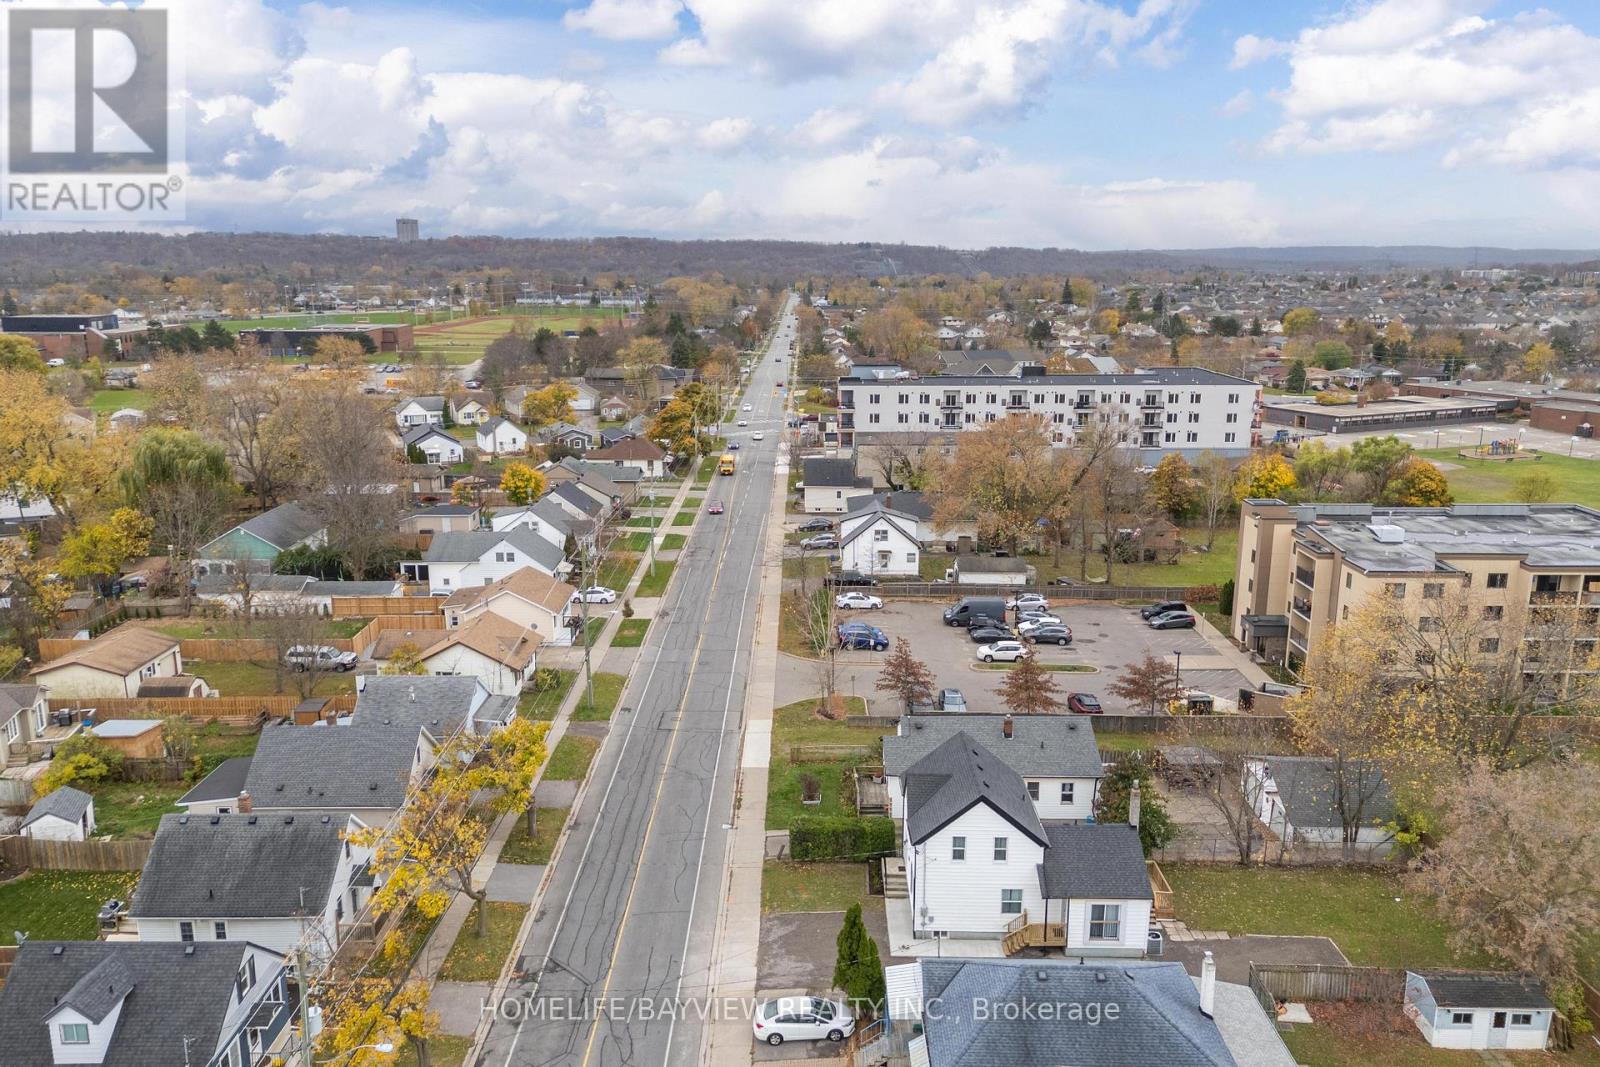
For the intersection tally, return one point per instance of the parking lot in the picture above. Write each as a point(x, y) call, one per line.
point(1105, 638)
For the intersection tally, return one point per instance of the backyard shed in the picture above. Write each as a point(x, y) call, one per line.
point(1474, 1010)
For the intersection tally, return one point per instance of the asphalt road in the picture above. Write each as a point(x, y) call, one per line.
point(621, 948)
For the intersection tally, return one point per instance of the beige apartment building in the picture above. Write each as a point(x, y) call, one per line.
point(1303, 568)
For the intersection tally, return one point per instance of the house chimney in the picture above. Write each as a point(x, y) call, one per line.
point(1007, 727)
point(1208, 985)
point(244, 802)
point(1133, 806)
point(413, 691)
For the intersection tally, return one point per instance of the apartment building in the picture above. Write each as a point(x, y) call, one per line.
point(1303, 568)
point(1187, 410)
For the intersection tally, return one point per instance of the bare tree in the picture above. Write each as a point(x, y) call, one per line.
point(1220, 781)
point(1121, 504)
point(1215, 477)
point(353, 474)
point(249, 418)
point(297, 629)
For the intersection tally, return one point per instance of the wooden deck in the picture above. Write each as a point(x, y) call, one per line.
point(1021, 934)
point(872, 792)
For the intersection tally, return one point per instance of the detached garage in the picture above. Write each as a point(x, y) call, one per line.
point(1474, 1010)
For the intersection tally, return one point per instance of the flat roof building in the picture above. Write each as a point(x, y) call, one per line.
point(1375, 414)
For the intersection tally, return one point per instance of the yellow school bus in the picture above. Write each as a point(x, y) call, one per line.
point(726, 464)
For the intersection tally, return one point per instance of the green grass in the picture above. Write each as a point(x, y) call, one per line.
point(134, 809)
point(635, 542)
point(630, 633)
point(656, 584)
point(808, 566)
point(479, 959)
point(798, 724)
point(543, 705)
point(570, 761)
point(1356, 908)
point(243, 678)
point(341, 318)
point(1321, 1046)
point(787, 887)
point(616, 571)
point(198, 629)
point(683, 518)
point(693, 501)
point(591, 632)
point(463, 343)
point(1489, 482)
point(1119, 742)
point(643, 522)
point(673, 542)
point(607, 691)
point(59, 905)
point(520, 848)
point(1065, 668)
point(444, 1050)
point(105, 401)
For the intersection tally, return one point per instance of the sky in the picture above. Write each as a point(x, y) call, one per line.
point(1094, 124)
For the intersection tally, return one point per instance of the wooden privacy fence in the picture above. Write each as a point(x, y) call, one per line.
point(21, 853)
point(1275, 983)
point(196, 709)
point(362, 607)
point(370, 632)
point(8, 955)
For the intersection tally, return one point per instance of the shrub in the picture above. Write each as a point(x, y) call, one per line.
point(627, 609)
point(1225, 600)
point(545, 679)
point(841, 837)
point(82, 759)
point(1202, 594)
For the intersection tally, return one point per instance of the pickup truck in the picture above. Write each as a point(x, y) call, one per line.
point(322, 657)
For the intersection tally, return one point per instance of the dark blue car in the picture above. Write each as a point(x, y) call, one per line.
point(861, 635)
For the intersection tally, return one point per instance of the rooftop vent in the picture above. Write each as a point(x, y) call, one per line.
point(288, 820)
point(326, 819)
point(188, 950)
point(58, 950)
point(216, 820)
point(252, 820)
point(1388, 533)
point(183, 820)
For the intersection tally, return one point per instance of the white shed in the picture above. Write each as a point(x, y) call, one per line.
point(64, 815)
point(1476, 1010)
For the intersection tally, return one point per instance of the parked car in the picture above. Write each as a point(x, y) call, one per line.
point(749, 407)
point(968, 608)
point(802, 1019)
point(714, 508)
point(1039, 618)
point(1173, 620)
point(1161, 607)
point(826, 540)
point(1027, 600)
point(596, 594)
point(474, 383)
point(322, 657)
point(1003, 651)
point(1084, 704)
point(1047, 635)
point(733, 446)
point(946, 700)
point(860, 635)
point(851, 578)
point(858, 600)
point(56, 362)
point(814, 525)
point(984, 634)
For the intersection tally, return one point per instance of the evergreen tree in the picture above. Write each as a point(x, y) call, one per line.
point(857, 968)
point(1295, 380)
point(1156, 828)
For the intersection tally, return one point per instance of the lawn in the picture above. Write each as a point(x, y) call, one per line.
point(444, 1050)
point(1192, 568)
point(463, 343)
point(812, 886)
point(243, 678)
point(683, 518)
point(105, 401)
point(570, 761)
point(134, 809)
point(543, 704)
point(630, 633)
point(1373, 920)
point(195, 629)
point(607, 691)
point(1487, 482)
point(798, 724)
point(479, 959)
point(59, 905)
point(635, 542)
point(809, 566)
point(617, 570)
point(340, 318)
point(520, 848)
point(673, 542)
point(656, 584)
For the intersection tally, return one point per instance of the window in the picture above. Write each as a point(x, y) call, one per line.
point(1105, 922)
point(1066, 792)
point(1499, 580)
point(1522, 1018)
point(1033, 791)
point(1233, 398)
point(220, 930)
point(1430, 624)
point(880, 534)
point(1194, 416)
point(1191, 437)
point(1494, 612)
point(999, 850)
point(1233, 416)
point(74, 1033)
point(911, 557)
point(1010, 902)
point(1488, 644)
point(1461, 1018)
point(958, 849)
point(1432, 590)
point(1344, 613)
point(1229, 438)
point(1396, 590)
point(186, 931)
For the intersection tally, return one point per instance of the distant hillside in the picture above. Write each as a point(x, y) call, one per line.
point(38, 259)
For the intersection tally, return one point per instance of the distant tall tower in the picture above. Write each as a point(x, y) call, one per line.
point(405, 229)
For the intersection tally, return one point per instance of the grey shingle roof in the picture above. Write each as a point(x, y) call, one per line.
point(101, 988)
point(1158, 1018)
point(990, 564)
point(441, 704)
point(338, 588)
point(1464, 989)
point(418, 434)
point(820, 471)
point(1098, 860)
point(577, 497)
point(331, 767)
point(224, 783)
point(426, 403)
point(178, 990)
point(258, 583)
point(1307, 788)
point(1041, 746)
point(896, 522)
point(284, 526)
point(14, 697)
point(471, 545)
point(65, 803)
point(240, 866)
point(957, 775)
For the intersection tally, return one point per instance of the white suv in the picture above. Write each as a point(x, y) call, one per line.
point(1004, 651)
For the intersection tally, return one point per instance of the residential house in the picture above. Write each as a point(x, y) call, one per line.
point(428, 481)
point(501, 437)
point(831, 485)
point(111, 665)
point(494, 650)
point(137, 1004)
point(218, 792)
point(526, 597)
point(961, 533)
point(469, 410)
point(544, 517)
point(608, 483)
point(432, 444)
point(65, 814)
point(441, 518)
point(1304, 798)
point(441, 705)
point(255, 543)
point(640, 452)
point(321, 595)
point(1474, 1010)
point(613, 409)
point(881, 542)
point(126, 419)
point(586, 397)
point(568, 436)
point(581, 502)
point(420, 411)
point(24, 715)
point(462, 560)
point(274, 879)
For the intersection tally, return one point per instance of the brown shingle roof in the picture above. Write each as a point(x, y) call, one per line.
point(490, 635)
point(631, 448)
point(531, 585)
point(120, 652)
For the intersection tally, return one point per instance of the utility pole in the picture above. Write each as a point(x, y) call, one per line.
point(305, 1004)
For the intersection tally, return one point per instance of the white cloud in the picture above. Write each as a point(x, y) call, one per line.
point(1238, 104)
point(1252, 49)
point(626, 20)
point(725, 134)
point(828, 126)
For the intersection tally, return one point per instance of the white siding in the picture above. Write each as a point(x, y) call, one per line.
point(100, 1035)
point(896, 555)
point(496, 677)
point(447, 577)
point(963, 897)
point(510, 606)
point(51, 828)
point(1049, 805)
point(1135, 930)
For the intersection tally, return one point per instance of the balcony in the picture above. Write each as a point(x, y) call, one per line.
point(1305, 577)
point(1152, 402)
point(1017, 404)
point(1082, 405)
point(1554, 597)
point(1301, 608)
point(950, 403)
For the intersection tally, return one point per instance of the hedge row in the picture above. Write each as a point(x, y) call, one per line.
point(835, 837)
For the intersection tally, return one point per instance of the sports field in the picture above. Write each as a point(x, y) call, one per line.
point(465, 341)
point(290, 322)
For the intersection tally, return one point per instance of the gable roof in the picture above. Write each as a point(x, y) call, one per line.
point(570, 492)
point(439, 704)
point(120, 652)
point(530, 584)
point(283, 527)
point(470, 546)
point(426, 403)
point(1095, 860)
point(493, 636)
point(1469, 989)
point(872, 519)
point(337, 767)
point(339, 587)
point(957, 775)
point(489, 426)
point(823, 471)
point(1158, 1020)
point(1307, 790)
point(909, 502)
point(417, 434)
point(631, 448)
point(16, 697)
point(65, 803)
point(240, 866)
point(1041, 746)
point(223, 783)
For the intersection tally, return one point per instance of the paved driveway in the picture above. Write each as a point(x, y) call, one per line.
point(1235, 954)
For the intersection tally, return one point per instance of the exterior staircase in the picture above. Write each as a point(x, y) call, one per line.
point(894, 878)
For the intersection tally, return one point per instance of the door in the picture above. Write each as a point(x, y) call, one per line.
point(1497, 1030)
